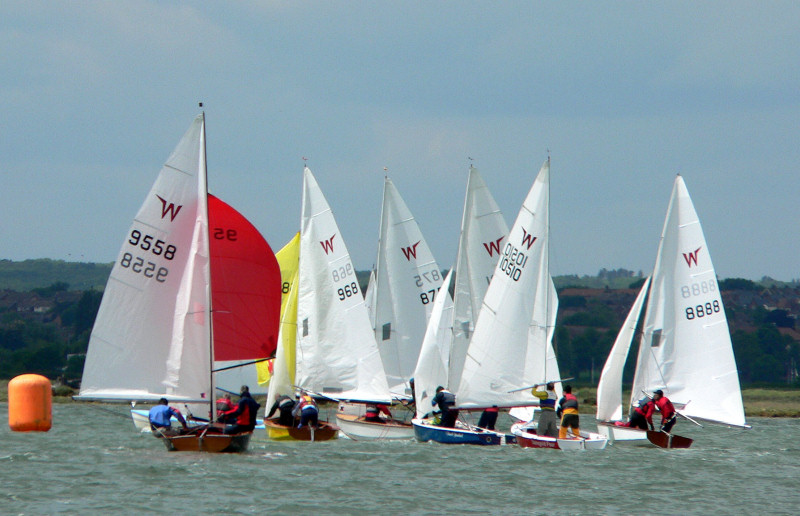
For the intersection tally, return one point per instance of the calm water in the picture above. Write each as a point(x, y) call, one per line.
point(93, 461)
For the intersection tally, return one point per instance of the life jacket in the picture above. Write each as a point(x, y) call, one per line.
point(448, 399)
point(307, 403)
point(645, 407)
point(372, 411)
point(550, 402)
point(569, 404)
point(665, 407)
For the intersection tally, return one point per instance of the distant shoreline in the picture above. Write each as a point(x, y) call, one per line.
point(758, 401)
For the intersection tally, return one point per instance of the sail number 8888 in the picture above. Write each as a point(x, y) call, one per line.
point(703, 310)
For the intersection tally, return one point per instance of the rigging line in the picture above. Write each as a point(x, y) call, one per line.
point(110, 411)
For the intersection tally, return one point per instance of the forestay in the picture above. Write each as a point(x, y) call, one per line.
point(336, 351)
point(686, 347)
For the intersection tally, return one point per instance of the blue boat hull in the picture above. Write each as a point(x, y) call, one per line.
point(426, 432)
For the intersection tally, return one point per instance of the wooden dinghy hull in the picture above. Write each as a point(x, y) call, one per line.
point(357, 429)
point(324, 432)
point(425, 430)
point(207, 442)
point(665, 440)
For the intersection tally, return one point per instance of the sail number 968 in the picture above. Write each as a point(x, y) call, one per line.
point(347, 291)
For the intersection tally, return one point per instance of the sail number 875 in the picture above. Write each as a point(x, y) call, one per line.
point(696, 312)
point(347, 291)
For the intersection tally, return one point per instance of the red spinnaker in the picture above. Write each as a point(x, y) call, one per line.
point(245, 286)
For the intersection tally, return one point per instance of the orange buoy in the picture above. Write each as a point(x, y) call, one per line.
point(30, 403)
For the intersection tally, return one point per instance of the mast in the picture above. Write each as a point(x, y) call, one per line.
point(210, 308)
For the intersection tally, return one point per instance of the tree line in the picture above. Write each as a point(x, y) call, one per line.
point(46, 330)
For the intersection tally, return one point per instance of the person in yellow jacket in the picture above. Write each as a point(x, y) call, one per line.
point(568, 412)
point(548, 422)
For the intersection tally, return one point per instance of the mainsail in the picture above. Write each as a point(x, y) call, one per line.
point(685, 349)
point(407, 281)
point(511, 336)
point(483, 235)
point(336, 351)
point(152, 335)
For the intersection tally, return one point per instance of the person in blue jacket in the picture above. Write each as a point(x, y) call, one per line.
point(161, 414)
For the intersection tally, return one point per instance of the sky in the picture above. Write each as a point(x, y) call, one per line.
point(622, 96)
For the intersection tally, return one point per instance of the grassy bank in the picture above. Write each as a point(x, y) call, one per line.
point(758, 402)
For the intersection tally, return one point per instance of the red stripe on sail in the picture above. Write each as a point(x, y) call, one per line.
point(245, 286)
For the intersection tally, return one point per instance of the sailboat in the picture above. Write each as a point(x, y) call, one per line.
point(403, 289)
point(336, 356)
point(500, 355)
point(685, 346)
point(154, 336)
point(452, 320)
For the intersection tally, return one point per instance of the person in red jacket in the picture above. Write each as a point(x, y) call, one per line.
point(374, 411)
point(668, 414)
point(245, 413)
point(641, 415)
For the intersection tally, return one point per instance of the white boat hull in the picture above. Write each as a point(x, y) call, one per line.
point(621, 433)
point(529, 439)
point(357, 429)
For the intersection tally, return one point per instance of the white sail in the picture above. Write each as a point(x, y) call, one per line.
point(152, 335)
point(407, 280)
point(336, 351)
point(511, 333)
point(483, 233)
point(370, 297)
point(686, 348)
point(434, 356)
point(609, 389)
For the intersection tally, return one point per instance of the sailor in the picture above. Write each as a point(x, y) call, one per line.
point(445, 400)
point(548, 422)
point(568, 412)
point(245, 413)
point(161, 414)
point(374, 411)
point(306, 409)
point(284, 404)
point(642, 414)
point(224, 404)
point(668, 414)
point(488, 418)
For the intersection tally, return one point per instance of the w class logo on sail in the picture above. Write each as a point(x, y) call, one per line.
point(527, 239)
point(168, 208)
point(493, 247)
point(691, 258)
point(327, 245)
point(410, 252)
